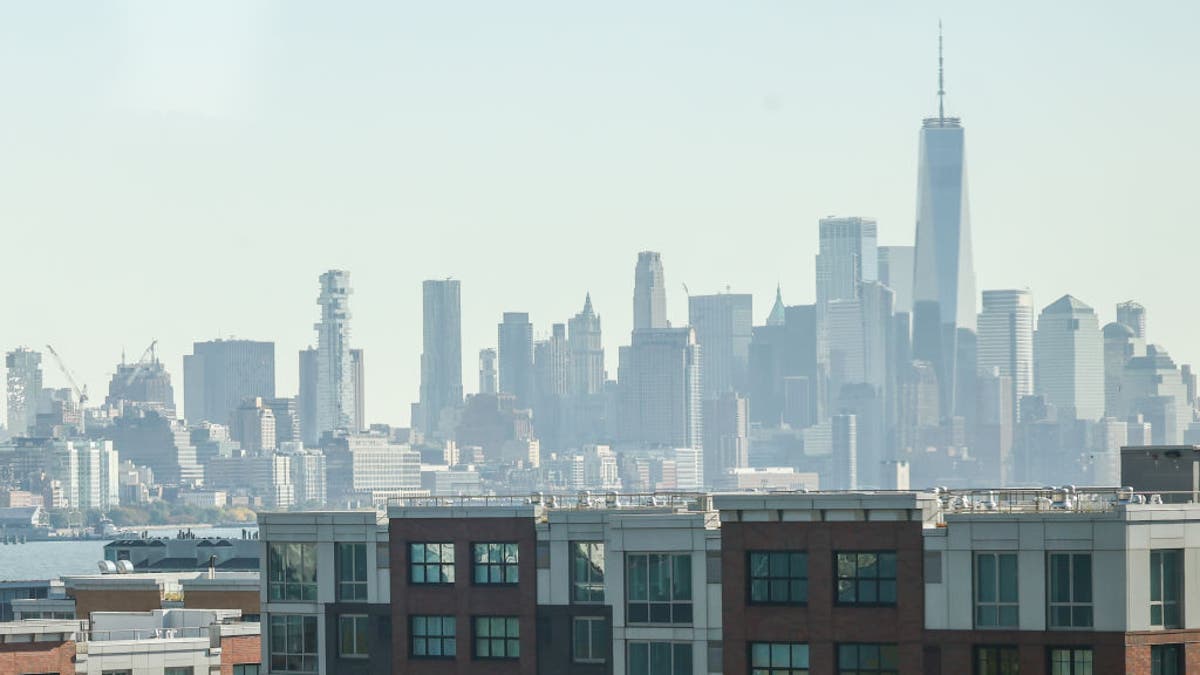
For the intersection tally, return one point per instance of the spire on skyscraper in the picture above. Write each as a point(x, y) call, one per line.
point(778, 314)
point(941, 79)
point(587, 305)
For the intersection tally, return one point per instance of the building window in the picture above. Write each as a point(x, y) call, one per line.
point(659, 658)
point(659, 587)
point(352, 572)
point(1166, 581)
point(246, 669)
point(995, 590)
point(587, 572)
point(868, 658)
point(352, 636)
point(293, 643)
point(431, 563)
point(1070, 661)
point(778, 577)
point(495, 563)
point(433, 637)
point(497, 637)
point(778, 658)
point(179, 670)
point(1166, 660)
point(866, 578)
point(996, 661)
point(589, 639)
point(1070, 590)
point(292, 571)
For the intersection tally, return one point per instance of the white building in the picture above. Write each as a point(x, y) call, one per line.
point(1068, 359)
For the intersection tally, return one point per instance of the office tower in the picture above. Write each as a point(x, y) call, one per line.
point(219, 374)
point(848, 256)
point(1068, 359)
point(287, 419)
point(1133, 314)
point(24, 385)
point(866, 404)
point(151, 438)
point(1152, 385)
point(943, 272)
point(844, 446)
point(487, 371)
point(659, 375)
point(1006, 339)
point(649, 293)
point(441, 355)
point(358, 380)
point(515, 340)
point(918, 404)
point(146, 384)
point(308, 476)
point(306, 401)
point(778, 315)
point(254, 426)
point(995, 424)
point(335, 370)
point(781, 352)
point(552, 373)
point(723, 330)
point(93, 471)
point(896, 272)
point(586, 351)
point(726, 436)
point(1119, 348)
point(858, 338)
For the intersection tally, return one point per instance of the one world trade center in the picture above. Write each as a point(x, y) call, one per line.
point(944, 275)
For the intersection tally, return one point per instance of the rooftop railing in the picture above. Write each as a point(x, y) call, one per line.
point(1064, 499)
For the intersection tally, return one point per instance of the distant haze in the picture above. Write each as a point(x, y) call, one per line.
point(182, 172)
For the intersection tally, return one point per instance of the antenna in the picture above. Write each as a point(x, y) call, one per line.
point(941, 80)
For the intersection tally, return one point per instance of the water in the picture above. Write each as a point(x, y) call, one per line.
point(52, 559)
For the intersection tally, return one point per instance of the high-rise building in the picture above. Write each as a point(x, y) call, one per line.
point(896, 272)
point(1133, 314)
point(24, 386)
point(219, 374)
point(723, 330)
point(149, 437)
point(779, 353)
point(358, 379)
point(778, 315)
point(1068, 359)
point(586, 351)
point(335, 370)
point(943, 270)
point(146, 384)
point(254, 426)
point(306, 401)
point(995, 424)
point(1006, 340)
point(1119, 348)
point(93, 471)
point(487, 371)
point(726, 436)
point(659, 376)
point(287, 419)
point(515, 340)
point(552, 374)
point(649, 293)
point(848, 256)
point(441, 355)
point(1152, 385)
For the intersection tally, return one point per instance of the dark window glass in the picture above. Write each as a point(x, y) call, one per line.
point(431, 563)
point(996, 661)
point(778, 658)
point(866, 578)
point(862, 658)
point(497, 637)
point(352, 572)
point(495, 563)
point(292, 641)
point(587, 572)
point(292, 571)
point(778, 577)
point(432, 637)
point(1070, 661)
point(658, 587)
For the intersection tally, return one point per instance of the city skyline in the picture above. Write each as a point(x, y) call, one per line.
point(1007, 207)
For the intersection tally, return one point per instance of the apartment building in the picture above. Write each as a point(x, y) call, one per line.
point(1028, 582)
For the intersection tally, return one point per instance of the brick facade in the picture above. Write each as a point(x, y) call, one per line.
point(117, 600)
point(247, 601)
point(37, 657)
point(239, 649)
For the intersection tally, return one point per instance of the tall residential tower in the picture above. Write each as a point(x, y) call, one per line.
point(335, 370)
point(441, 356)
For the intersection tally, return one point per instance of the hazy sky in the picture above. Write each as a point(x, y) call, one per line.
point(186, 171)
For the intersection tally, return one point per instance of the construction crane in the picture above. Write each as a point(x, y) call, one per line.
point(146, 359)
point(80, 392)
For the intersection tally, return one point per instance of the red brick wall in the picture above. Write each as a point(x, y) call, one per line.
point(87, 602)
point(822, 624)
point(464, 600)
point(247, 601)
point(957, 648)
point(37, 657)
point(1137, 649)
point(240, 649)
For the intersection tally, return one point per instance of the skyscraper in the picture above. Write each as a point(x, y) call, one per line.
point(848, 256)
point(335, 370)
point(726, 442)
point(24, 387)
point(1006, 340)
point(1119, 342)
point(515, 340)
point(487, 371)
point(1068, 359)
point(649, 293)
point(1133, 314)
point(723, 330)
point(944, 274)
point(659, 376)
point(896, 272)
point(358, 383)
point(552, 375)
point(306, 401)
point(441, 356)
point(220, 374)
point(587, 351)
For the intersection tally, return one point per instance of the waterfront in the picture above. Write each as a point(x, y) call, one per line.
point(52, 559)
